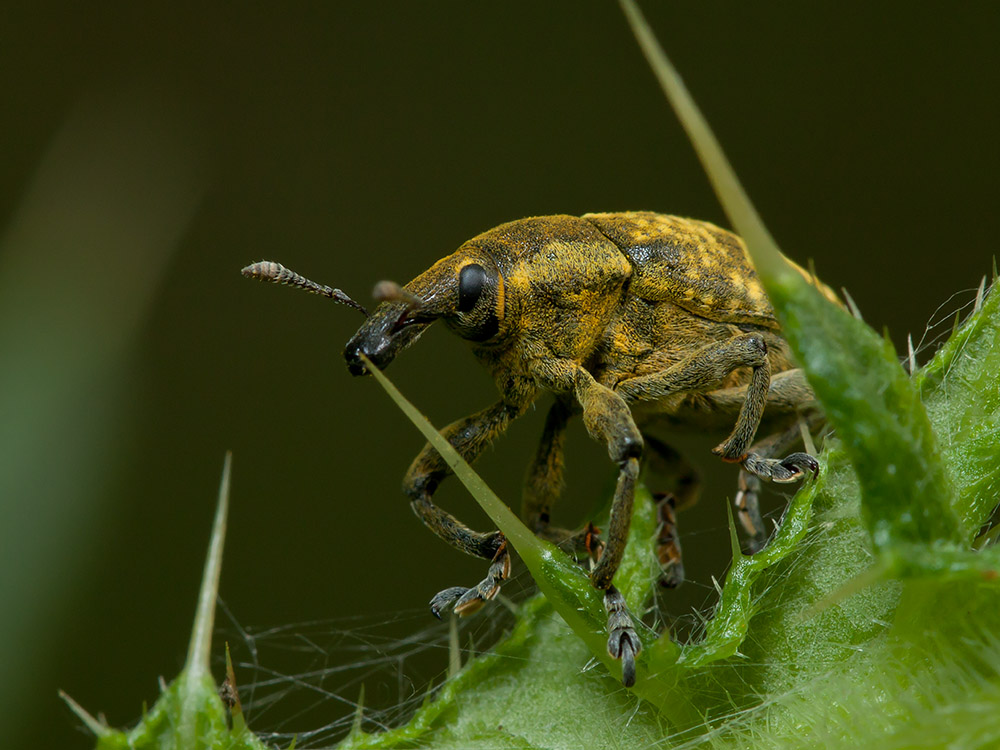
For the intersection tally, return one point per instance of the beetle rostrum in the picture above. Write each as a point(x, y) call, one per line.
point(641, 324)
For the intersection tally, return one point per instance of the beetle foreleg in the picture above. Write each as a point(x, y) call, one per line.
point(469, 601)
point(469, 436)
point(618, 526)
point(607, 418)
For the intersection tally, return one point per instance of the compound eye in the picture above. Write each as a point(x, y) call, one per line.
point(471, 281)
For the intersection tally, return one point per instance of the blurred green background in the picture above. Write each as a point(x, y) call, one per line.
point(151, 150)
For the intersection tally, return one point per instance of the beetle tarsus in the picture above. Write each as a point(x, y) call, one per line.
point(443, 599)
point(469, 601)
point(623, 641)
point(801, 462)
point(781, 471)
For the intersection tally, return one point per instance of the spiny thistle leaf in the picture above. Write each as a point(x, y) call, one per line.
point(189, 713)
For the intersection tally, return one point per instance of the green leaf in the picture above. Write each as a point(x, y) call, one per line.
point(961, 393)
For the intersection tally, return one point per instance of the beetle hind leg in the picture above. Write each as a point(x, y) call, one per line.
point(684, 487)
point(668, 545)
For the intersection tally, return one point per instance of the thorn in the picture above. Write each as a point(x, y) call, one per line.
point(734, 539)
point(807, 439)
point(510, 605)
point(97, 728)
point(454, 652)
point(231, 696)
point(980, 293)
point(958, 322)
point(715, 583)
point(850, 303)
point(162, 684)
point(429, 695)
point(198, 662)
point(359, 713)
point(911, 355)
point(995, 269)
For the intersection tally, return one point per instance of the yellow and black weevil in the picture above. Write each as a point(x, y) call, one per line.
point(633, 320)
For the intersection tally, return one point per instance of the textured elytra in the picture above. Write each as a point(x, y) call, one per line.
point(694, 264)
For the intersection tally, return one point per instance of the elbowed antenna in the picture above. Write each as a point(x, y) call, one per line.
point(268, 270)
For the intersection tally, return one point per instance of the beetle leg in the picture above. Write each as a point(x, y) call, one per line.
point(469, 601)
point(761, 464)
point(544, 480)
point(788, 393)
point(583, 545)
point(544, 483)
point(735, 447)
point(684, 486)
point(703, 371)
point(469, 436)
point(668, 545)
point(747, 506)
point(608, 419)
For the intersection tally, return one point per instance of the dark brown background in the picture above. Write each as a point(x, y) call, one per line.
point(355, 143)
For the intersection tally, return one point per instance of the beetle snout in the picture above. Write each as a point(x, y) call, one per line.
point(378, 351)
point(384, 335)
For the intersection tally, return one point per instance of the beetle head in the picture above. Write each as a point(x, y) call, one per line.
point(464, 289)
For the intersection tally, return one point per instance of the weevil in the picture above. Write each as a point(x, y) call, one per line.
point(633, 321)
